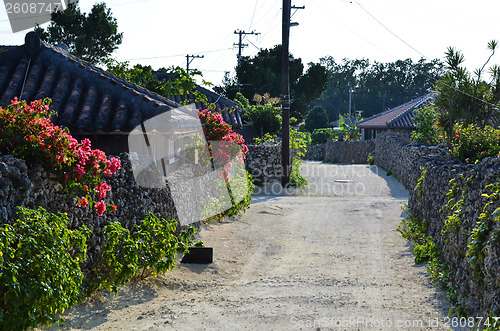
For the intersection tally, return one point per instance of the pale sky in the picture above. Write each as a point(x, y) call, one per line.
point(161, 32)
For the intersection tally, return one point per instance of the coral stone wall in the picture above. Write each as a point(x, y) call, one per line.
point(263, 162)
point(20, 186)
point(341, 151)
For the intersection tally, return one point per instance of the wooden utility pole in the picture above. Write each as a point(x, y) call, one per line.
point(285, 92)
point(190, 58)
point(240, 43)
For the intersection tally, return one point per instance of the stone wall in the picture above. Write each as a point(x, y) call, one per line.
point(341, 151)
point(349, 152)
point(20, 186)
point(481, 291)
point(315, 152)
point(263, 162)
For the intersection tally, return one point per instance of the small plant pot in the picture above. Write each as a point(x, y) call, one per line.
point(199, 255)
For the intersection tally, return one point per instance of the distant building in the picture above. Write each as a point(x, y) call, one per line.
point(89, 101)
point(398, 120)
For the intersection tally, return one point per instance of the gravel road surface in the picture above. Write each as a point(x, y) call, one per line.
point(327, 257)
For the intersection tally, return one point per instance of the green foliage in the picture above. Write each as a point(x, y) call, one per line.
point(473, 143)
point(298, 145)
point(165, 82)
point(414, 230)
point(262, 74)
point(296, 178)
point(316, 118)
point(265, 119)
point(378, 86)
point(426, 131)
point(151, 248)
point(348, 128)
point(420, 181)
point(324, 135)
point(455, 207)
point(40, 272)
point(267, 138)
point(463, 97)
point(91, 37)
point(242, 101)
point(482, 229)
point(370, 159)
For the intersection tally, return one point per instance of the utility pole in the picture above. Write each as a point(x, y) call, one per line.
point(190, 58)
point(285, 92)
point(350, 97)
point(240, 43)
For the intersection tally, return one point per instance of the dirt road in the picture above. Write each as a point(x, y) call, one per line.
point(324, 258)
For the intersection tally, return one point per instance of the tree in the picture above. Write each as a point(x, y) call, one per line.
point(377, 86)
point(262, 74)
point(316, 118)
point(165, 81)
point(467, 98)
point(91, 37)
point(425, 121)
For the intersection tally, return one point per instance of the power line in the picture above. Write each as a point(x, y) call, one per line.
point(390, 31)
point(253, 15)
point(177, 55)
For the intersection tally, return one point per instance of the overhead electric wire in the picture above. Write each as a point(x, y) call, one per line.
point(390, 31)
point(426, 58)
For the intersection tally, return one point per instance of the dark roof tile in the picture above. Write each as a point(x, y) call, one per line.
point(85, 98)
point(397, 117)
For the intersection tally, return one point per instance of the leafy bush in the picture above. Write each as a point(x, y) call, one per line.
point(426, 131)
point(348, 128)
point(40, 272)
point(370, 159)
point(473, 143)
point(321, 136)
point(267, 138)
point(151, 248)
point(264, 118)
point(27, 132)
point(298, 143)
point(317, 118)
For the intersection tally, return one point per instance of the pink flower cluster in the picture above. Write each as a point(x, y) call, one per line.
point(216, 129)
point(32, 136)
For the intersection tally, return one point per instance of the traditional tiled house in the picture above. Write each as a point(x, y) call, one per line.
point(398, 120)
point(89, 101)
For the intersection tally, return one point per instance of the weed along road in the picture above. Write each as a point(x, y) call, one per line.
point(327, 257)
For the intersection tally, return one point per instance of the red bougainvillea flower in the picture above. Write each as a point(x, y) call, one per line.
point(34, 138)
point(101, 189)
point(83, 202)
point(100, 207)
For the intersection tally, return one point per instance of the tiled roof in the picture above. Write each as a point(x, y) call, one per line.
point(230, 110)
point(397, 117)
point(87, 99)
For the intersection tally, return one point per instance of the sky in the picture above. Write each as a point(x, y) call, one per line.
point(161, 33)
